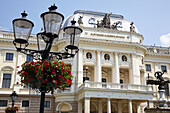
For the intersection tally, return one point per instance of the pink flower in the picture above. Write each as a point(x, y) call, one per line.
point(46, 63)
point(56, 82)
point(53, 72)
point(69, 72)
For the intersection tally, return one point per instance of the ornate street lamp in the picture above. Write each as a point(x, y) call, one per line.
point(13, 98)
point(52, 21)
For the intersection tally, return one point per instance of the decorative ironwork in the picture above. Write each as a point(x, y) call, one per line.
point(161, 83)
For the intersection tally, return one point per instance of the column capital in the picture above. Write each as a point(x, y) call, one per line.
point(87, 98)
point(116, 52)
point(130, 99)
point(98, 51)
point(108, 98)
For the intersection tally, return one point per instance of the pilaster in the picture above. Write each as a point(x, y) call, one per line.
point(130, 106)
point(80, 67)
point(99, 73)
point(116, 69)
point(86, 105)
point(79, 106)
point(108, 106)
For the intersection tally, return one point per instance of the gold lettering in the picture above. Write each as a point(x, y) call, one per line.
point(104, 35)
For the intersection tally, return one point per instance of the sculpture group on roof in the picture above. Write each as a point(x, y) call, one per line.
point(106, 23)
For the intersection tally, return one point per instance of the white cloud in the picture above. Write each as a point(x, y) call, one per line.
point(165, 40)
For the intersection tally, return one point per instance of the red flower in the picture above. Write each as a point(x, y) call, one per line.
point(45, 73)
point(35, 71)
point(59, 75)
point(25, 73)
point(41, 69)
point(28, 80)
point(65, 64)
point(61, 81)
point(45, 79)
point(46, 63)
point(17, 66)
point(39, 77)
point(68, 81)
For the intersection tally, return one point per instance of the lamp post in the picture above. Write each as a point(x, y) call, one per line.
point(161, 83)
point(13, 97)
point(52, 22)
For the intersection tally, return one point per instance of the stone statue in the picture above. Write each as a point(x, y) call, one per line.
point(114, 25)
point(105, 23)
point(132, 27)
point(80, 20)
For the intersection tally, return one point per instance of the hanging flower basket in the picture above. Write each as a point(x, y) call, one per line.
point(11, 109)
point(52, 74)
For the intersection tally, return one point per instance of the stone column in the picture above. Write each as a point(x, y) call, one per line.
point(108, 106)
point(100, 110)
point(115, 73)
point(119, 107)
point(79, 106)
point(130, 106)
point(17, 77)
point(19, 63)
point(87, 105)
point(99, 72)
point(80, 67)
point(135, 77)
point(138, 107)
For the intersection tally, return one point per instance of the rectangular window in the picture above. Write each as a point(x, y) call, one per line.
point(148, 67)
point(9, 56)
point(104, 81)
point(25, 103)
point(47, 104)
point(29, 58)
point(6, 81)
point(163, 68)
point(3, 103)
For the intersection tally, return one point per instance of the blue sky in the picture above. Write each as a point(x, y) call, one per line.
point(151, 17)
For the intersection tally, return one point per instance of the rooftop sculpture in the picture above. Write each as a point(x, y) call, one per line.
point(105, 22)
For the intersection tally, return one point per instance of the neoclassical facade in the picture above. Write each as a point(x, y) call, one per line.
point(110, 69)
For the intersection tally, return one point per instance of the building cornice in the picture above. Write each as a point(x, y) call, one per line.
point(157, 54)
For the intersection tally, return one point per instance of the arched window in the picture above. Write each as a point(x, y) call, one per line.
point(124, 58)
point(88, 55)
point(64, 107)
point(107, 57)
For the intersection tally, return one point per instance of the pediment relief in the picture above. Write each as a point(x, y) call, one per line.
point(7, 68)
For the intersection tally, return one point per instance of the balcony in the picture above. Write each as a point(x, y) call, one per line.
point(113, 86)
point(115, 91)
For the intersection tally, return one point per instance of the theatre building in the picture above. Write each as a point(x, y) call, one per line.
point(110, 70)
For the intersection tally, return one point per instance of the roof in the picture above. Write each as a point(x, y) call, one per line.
point(91, 19)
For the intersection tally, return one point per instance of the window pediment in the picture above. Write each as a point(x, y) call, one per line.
point(7, 68)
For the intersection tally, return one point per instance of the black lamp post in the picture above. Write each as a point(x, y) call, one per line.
point(13, 98)
point(52, 21)
point(161, 86)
